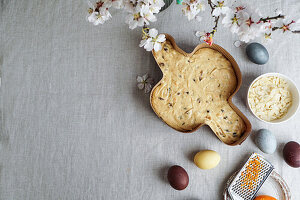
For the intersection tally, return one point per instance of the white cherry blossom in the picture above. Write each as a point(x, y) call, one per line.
point(287, 24)
point(134, 19)
point(221, 7)
point(152, 40)
point(98, 12)
point(99, 17)
point(147, 14)
point(232, 20)
point(192, 8)
point(250, 27)
point(189, 13)
point(267, 38)
point(144, 42)
point(140, 16)
point(144, 83)
point(156, 5)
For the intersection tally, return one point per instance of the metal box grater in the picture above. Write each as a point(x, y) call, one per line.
point(250, 178)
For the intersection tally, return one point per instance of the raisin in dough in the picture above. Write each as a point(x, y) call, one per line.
point(195, 90)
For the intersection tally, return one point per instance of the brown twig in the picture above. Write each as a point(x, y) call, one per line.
point(212, 6)
point(216, 25)
point(271, 18)
point(276, 28)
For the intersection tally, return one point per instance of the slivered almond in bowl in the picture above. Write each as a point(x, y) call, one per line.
point(273, 98)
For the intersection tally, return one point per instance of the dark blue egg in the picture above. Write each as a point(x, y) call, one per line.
point(257, 53)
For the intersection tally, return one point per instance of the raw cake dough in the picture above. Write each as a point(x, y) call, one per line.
point(194, 90)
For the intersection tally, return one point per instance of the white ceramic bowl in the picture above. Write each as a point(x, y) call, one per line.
point(295, 102)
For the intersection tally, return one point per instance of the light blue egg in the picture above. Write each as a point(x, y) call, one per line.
point(257, 53)
point(266, 141)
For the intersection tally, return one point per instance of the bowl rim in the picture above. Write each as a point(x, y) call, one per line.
point(281, 76)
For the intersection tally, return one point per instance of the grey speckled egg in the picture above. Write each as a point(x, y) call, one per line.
point(257, 53)
point(266, 141)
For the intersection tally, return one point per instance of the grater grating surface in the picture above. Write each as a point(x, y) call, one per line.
point(250, 178)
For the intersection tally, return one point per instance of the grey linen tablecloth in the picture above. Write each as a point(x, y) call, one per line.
point(75, 126)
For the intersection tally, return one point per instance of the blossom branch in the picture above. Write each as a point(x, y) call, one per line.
point(286, 27)
point(244, 21)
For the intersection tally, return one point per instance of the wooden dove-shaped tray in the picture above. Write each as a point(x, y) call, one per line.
point(197, 89)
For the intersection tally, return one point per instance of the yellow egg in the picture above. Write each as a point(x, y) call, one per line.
point(207, 159)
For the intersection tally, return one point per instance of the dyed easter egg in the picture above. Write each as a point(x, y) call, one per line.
point(178, 177)
point(207, 159)
point(266, 141)
point(291, 154)
point(257, 53)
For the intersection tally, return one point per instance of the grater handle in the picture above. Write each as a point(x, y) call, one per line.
point(283, 185)
point(232, 197)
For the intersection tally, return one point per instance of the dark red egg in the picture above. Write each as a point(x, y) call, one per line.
point(291, 154)
point(178, 177)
